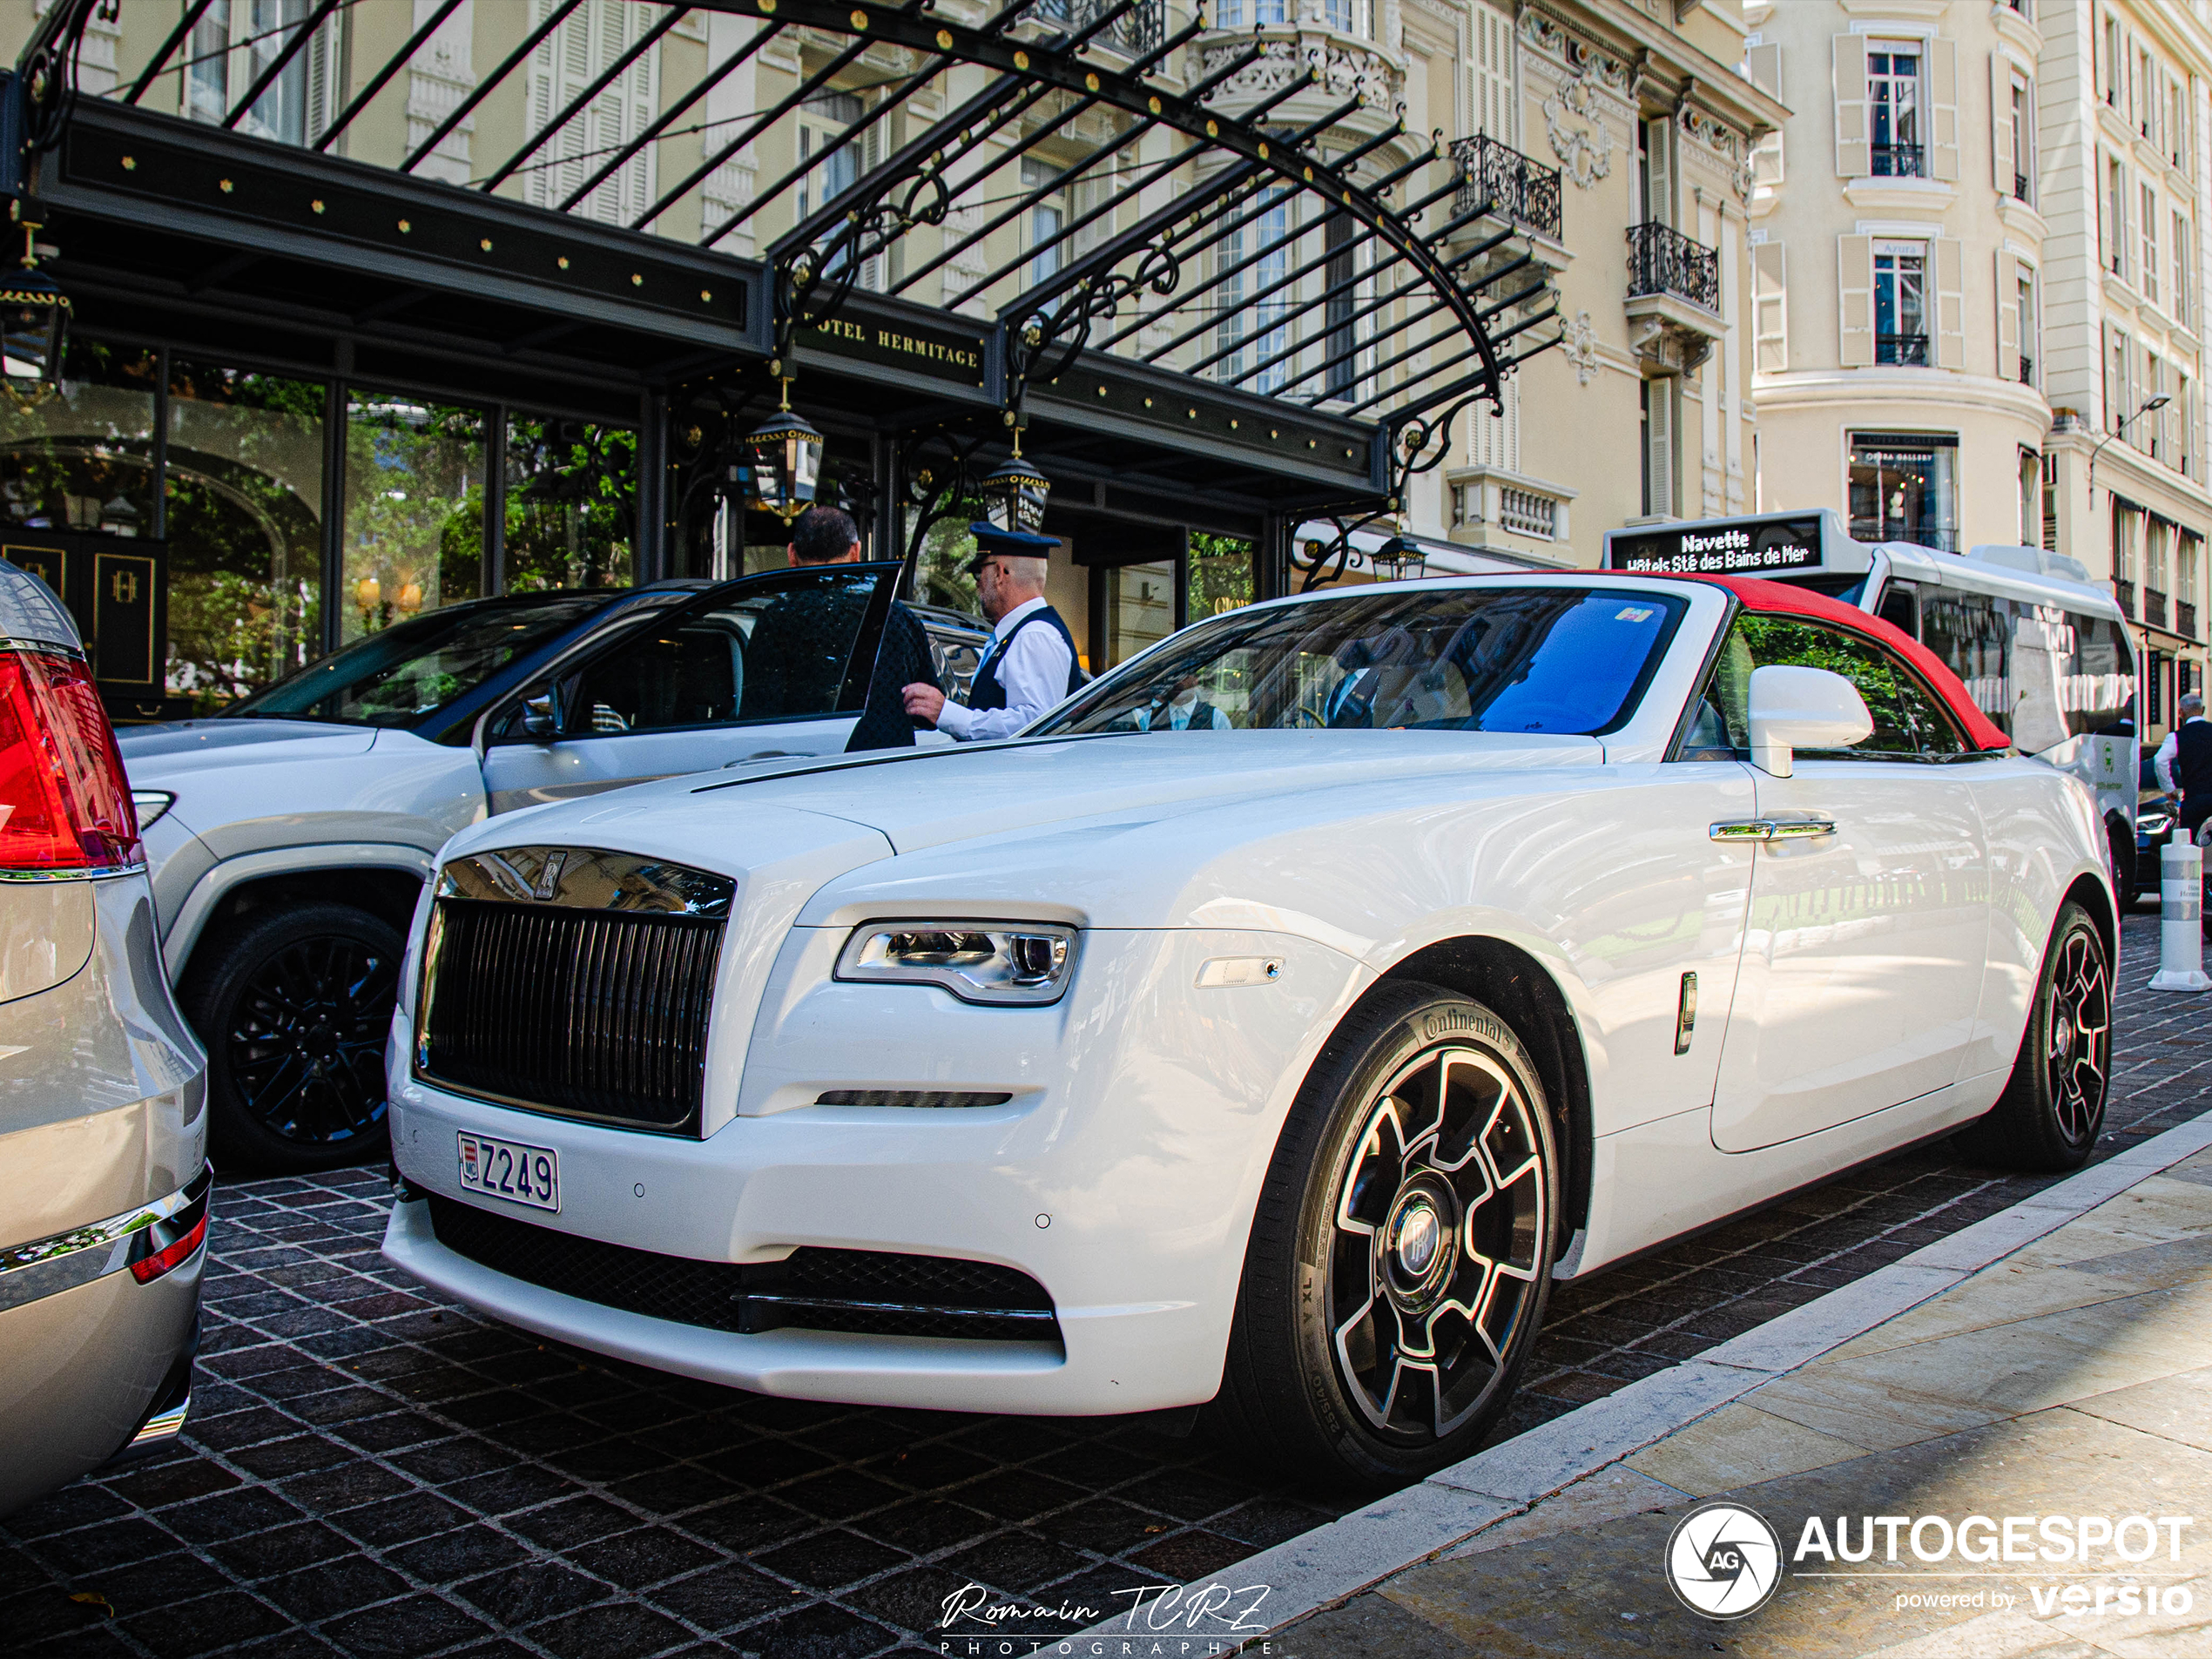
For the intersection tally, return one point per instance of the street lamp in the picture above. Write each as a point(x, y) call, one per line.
point(2119, 427)
point(785, 463)
point(34, 330)
point(1014, 496)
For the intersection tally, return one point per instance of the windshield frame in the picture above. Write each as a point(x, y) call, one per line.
point(459, 711)
point(1683, 608)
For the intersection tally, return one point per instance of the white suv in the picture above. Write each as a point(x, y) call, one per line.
point(289, 839)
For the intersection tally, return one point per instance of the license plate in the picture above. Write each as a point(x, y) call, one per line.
point(528, 1175)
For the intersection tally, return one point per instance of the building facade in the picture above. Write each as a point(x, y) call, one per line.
point(1977, 249)
point(323, 440)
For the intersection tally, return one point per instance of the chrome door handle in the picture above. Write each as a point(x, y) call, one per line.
point(1772, 829)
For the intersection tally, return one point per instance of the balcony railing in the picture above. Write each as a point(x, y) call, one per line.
point(1528, 512)
point(2153, 607)
point(1133, 35)
point(1898, 161)
point(1912, 350)
point(2185, 618)
point(1662, 261)
point(2125, 592)
point(1523, 190)
point(2027, 370)
point(2019, 186)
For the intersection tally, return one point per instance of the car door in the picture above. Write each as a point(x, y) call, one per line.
point(1862, 968)
point(767, 667)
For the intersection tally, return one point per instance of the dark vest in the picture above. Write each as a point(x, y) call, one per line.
point(2193, 761)
point(1201, 718)
point(987, 693)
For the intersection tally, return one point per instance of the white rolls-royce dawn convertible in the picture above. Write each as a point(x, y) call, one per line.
point(1510, 925)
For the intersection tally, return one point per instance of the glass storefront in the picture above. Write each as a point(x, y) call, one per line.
point(414, 509)
point(571, 492)
point(84, 460)
point(1905, 488)
point(224, 470)
point(1139, 609)
point(245, 475)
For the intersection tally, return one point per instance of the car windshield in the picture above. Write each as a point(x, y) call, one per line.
point(1506, 658)
point(406, 672)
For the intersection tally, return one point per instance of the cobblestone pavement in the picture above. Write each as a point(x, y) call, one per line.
point(371, 1471)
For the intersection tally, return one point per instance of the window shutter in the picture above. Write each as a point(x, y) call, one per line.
point(1950, 302)
point(1943, 95)
point(2000, 124)
point(1770, 308)
point(1854, 147)
point(1493, 100)
point(2009, 320)
point(1855, 291)
point(1764, 62)
point(1662, 438)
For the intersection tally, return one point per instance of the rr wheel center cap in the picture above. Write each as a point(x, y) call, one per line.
point(1419, 1243)
point(2062, 1036)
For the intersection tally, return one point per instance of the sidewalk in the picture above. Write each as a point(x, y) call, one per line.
point(2071, 1378)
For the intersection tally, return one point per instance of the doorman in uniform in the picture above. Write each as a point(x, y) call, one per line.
point(1031, 663)
point(2184, 763)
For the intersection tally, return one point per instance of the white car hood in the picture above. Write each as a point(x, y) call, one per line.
point(938, 796)
point(183, 748)
point(1168, 829)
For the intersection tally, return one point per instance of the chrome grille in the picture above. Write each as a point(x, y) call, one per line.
point(584, 993)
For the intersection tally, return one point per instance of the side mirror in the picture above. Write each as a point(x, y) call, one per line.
point(1802, 708)
point(541, 715)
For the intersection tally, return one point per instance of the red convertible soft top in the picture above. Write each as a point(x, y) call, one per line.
point(1786, 598)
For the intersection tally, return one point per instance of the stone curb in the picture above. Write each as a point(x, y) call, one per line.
point(1332, 1563)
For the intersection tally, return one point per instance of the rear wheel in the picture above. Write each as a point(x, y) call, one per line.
point(294, 1006)
point(1402, 1249)
point(2054, 1105)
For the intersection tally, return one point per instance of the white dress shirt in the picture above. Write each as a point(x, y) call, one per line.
point(2169, 751)
point(1033, 670)
point(1180, 712)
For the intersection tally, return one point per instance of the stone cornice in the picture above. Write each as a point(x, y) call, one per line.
point(1631, 37)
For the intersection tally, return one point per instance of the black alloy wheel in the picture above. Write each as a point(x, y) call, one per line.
point(1403, 1247)
point(2053, 1104)
point(295, 1010)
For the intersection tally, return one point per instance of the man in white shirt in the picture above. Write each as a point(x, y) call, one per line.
point(2183, 763)
point(1031, 663)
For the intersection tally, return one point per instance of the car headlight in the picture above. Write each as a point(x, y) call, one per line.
point(151, 805)
point(2154, 824)
point(1023, 964)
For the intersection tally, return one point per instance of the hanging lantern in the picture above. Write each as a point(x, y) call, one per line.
point(34, 331)
point(1014, 497)
point(1399, 560)
point(785, 462)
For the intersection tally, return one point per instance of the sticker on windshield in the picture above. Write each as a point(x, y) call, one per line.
point(1635, 613)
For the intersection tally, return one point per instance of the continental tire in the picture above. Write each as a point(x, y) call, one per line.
point(1402, 1249)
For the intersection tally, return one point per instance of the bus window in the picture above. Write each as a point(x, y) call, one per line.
point(1901, 607)
point(2041, 674)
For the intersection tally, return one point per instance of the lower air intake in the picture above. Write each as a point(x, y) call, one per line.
point(872, 1292)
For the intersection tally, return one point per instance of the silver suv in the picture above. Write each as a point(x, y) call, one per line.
point(103, 1087)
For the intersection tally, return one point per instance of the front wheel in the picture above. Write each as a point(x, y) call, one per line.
point(1402, 1249)
point(2053, 1104)
point(294, 1006)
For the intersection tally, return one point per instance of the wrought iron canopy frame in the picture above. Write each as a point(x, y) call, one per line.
point(441, 250)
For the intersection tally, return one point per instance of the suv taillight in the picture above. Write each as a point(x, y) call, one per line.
point(64, 805)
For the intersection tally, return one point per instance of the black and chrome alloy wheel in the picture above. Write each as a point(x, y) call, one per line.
point(295, 1010)
point(1401, 1250)
point(2054, 1105)
point(2077, 1035)
point(1437, 1214)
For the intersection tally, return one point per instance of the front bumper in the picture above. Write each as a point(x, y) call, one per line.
point(1120, 1177)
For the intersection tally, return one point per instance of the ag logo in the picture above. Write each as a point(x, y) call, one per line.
point(1723, 1561)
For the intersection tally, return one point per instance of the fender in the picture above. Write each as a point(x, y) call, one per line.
point(210, 889)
